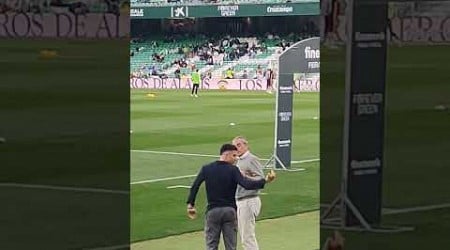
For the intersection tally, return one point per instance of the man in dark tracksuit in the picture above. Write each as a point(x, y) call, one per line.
point(221, 179)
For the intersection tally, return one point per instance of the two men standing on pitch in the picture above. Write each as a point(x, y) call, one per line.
point(221, 178)
point(247, 201)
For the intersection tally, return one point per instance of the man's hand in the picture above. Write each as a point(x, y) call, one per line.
point(271, 176)
point(191, 212)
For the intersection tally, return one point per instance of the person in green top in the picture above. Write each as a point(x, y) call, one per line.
point(195, 76)
point(229, 74)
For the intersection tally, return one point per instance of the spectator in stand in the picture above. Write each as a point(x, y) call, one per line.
point(210, 60)
point(178, 73)
point(244, 74)
point(208, 74)
point(270, 78)
point(154, 71)
point(259, 70)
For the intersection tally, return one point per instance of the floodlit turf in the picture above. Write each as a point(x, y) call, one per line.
point(417, 135)
point(173, 121)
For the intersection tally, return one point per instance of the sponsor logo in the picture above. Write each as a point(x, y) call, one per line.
point(137, 12)
point(283, 143)
point(365, 172)
point(182, 11)
point(158, 83)
point(64, 25)
point(285, 89)
point(423, 29)
point(254, 84)
point(312, 53)
point(415, 29)
point(375, 163)
point(207, 83)
point(308, 84)
point(364, 37)
point(367, 104)
point(313, 65)
point(285, 116)
point(365, 167)
point(280, 9)
point(222, 84)
point(228, 10)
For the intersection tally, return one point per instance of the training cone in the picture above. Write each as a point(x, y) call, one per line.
point(48, 54)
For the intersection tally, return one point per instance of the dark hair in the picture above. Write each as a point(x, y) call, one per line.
point(227, 147)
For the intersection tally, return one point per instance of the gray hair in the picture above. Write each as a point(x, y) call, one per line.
point(240, 138)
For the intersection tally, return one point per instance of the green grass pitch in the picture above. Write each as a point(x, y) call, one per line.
point(172, 121)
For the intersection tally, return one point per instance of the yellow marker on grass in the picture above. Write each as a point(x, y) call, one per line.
point(48, 54)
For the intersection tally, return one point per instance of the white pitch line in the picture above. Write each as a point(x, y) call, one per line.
point(305, 161)
point(163, 179)
point(293, 169)
point(171, 153)
point(389, 211)
point(415, 209)
point(178, 186)
point(62, 188)
point(193, 175)
point(206, 155)
point(183, 177)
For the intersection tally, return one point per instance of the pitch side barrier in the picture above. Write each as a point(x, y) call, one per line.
point(304, 85)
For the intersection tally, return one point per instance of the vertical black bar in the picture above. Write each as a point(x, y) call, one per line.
point(302, 57)
point(364, 159)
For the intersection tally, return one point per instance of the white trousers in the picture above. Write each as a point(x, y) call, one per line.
point(247, 211)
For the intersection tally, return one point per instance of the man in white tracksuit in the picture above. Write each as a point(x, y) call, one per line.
point(247, 201)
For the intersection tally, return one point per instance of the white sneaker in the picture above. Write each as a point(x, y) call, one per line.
point(196, 95)
point(192, 95)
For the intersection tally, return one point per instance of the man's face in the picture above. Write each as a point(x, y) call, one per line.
point(241, 146)
point(231, 156)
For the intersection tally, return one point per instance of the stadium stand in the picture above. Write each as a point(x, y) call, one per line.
point(247, 57)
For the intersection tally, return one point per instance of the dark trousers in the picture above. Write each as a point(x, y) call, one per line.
point(221, 220)
point(195, 88)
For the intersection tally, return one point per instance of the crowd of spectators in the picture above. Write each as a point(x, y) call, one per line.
point(182, 52)
point(211, 50)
